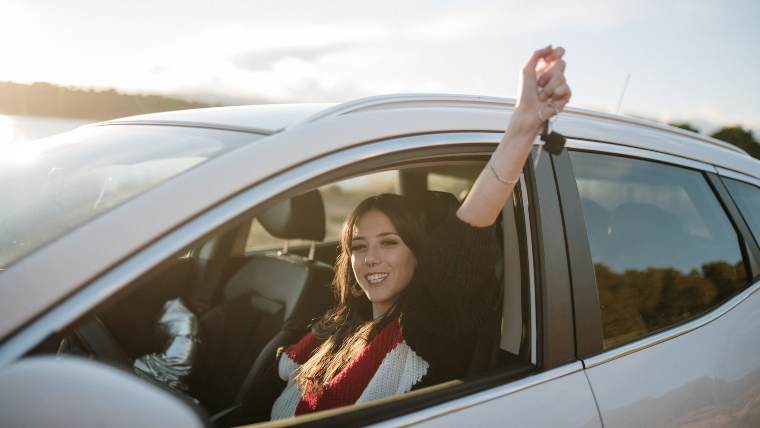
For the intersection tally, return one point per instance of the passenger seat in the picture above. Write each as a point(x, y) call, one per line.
point(266, 290)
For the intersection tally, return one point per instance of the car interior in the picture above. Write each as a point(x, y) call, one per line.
point(250, 294)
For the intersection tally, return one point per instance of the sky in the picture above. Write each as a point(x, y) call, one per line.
point(695, 61)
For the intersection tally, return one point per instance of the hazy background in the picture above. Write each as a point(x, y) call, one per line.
point(693, 61)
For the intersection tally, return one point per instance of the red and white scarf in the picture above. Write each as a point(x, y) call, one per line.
point(386, 366)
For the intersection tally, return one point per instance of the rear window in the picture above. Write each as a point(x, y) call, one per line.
point(51, 186)
point(747, 197)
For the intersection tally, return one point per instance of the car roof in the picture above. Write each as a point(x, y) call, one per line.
point(263, 119)
point(273, 118)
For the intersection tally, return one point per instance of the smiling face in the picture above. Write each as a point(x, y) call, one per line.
point(383, 264)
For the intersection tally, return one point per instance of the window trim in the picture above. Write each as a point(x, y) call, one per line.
point(375, 155)
point(723, 172)
point(589, 336)
point(710, 172)
point(553, 301)
point(634, 152)
point(750, 248)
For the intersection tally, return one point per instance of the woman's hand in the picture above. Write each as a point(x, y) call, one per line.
point(543, 93)
point(542, 85)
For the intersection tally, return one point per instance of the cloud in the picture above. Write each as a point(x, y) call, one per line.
point(259, 60)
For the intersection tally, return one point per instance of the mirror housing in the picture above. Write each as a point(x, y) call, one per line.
point(75, 392)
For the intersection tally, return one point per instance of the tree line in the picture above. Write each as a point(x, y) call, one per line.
point(635, 303)
point(45, 99)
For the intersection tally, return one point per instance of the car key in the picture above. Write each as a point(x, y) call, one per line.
point(543, 137)
point(552, 140)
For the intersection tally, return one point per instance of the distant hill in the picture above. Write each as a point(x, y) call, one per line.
point(45, 99)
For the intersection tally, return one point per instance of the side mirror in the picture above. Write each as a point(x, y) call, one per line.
point(76, 392)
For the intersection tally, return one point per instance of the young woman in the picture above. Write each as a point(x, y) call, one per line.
point(414, 283)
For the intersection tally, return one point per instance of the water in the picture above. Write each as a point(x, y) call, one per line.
point(18, 129)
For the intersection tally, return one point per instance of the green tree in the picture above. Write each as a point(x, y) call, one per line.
point(684, 125)
point(739, 137)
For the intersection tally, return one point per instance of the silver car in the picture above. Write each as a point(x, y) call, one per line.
point(151, 266)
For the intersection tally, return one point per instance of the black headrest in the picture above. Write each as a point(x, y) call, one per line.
point(435, 206)
point(300, 217)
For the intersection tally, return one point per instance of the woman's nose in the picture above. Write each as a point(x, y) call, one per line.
point(370, 259)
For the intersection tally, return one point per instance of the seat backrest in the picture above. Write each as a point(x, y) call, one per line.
point(261, 295)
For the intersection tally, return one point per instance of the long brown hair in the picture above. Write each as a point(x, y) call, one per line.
point(347, 327)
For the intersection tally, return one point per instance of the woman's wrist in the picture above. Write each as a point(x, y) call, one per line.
point(524, 125)
point(521, 133)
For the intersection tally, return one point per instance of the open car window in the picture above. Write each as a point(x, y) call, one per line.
point(202, 325)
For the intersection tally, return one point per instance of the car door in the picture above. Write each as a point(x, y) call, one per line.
point(560, 395)
point(674, 275)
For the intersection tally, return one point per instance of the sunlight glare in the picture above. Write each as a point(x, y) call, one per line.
point(7, 130)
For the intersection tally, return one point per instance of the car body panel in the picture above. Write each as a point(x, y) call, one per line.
point(708, 373)
point(558, 397)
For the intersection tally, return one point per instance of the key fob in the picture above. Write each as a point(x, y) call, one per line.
point(554, 142)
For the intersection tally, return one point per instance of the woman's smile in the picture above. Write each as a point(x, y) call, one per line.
point(376, 278)
point(383, 264)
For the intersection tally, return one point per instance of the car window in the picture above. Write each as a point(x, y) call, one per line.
point(51, 186)
point(747, 197)
point(339, 199)
point(457, 186)
point(663, 248)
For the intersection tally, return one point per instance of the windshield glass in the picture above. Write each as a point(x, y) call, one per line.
point(50, 186)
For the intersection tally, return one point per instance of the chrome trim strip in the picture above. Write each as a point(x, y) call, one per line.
point(738, 176)
point(403, 99)
point(136, 265)
point(459, 100)
point(204, 125)
point(636, 152)
point(479, 398)
point(672, 333)
point(531, 269)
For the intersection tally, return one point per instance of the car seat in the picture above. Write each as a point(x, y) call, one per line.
point(264, 292)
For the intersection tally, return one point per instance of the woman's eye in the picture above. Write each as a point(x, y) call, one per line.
point(358, 247)
point(389, 242)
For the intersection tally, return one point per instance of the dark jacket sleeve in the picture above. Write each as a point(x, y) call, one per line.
point(456, 284)
point(460, 270)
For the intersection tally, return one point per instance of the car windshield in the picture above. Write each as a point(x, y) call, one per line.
point(51, 186)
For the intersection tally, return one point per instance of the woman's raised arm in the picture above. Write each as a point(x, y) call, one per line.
point(539, 90)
